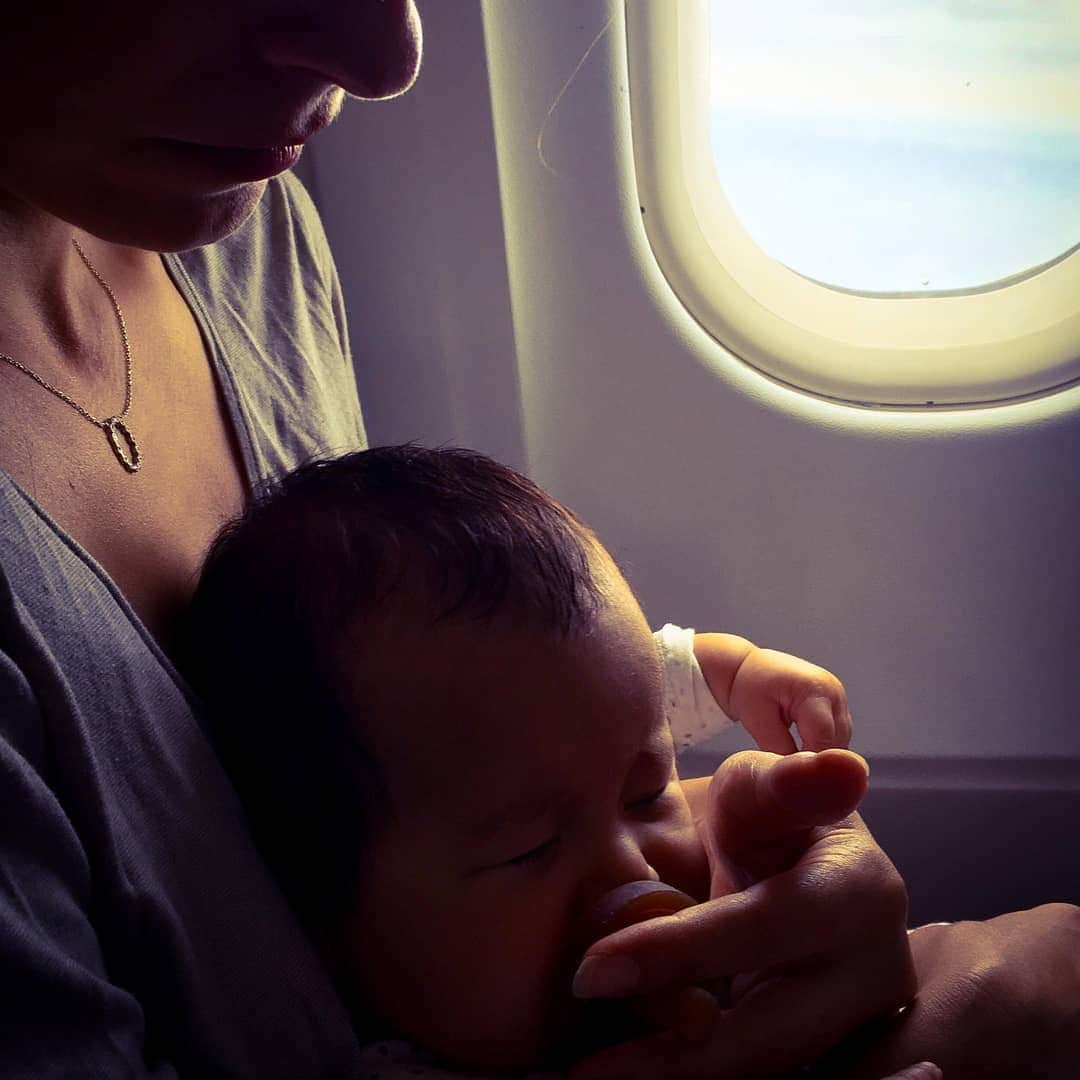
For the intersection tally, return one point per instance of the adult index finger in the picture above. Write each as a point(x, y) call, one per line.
point(780, 1025)
point(842, 892)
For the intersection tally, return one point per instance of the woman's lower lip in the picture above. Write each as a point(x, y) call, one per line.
point(220, 167)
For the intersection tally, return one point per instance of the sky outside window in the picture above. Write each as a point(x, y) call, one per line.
point(900, 146)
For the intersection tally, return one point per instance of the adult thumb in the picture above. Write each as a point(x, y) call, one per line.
point(762, 810)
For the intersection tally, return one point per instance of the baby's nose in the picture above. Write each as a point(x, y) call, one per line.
point(619, 861)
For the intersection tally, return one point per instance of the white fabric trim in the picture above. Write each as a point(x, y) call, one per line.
point(395, 1059)
point(690, 708)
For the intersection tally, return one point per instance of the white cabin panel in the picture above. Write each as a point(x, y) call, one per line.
point(502, 295)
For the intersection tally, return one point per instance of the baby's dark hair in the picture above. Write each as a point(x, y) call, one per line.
point(311, 565)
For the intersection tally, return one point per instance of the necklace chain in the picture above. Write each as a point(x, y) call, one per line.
point(115, 427)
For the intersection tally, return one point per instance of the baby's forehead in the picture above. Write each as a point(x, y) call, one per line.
point(408, 648)
point(409, 663)
point(475, 696)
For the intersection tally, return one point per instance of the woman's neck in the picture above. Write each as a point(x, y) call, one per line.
point(53, 313)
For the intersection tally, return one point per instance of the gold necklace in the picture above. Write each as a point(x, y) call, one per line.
point(121, 440)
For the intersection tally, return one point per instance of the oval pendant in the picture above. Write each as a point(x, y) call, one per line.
point(123, 443)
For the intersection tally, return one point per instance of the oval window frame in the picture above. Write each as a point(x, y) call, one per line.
point(1009, 339)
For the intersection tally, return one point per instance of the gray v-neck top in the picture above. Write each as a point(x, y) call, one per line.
point(140, 935)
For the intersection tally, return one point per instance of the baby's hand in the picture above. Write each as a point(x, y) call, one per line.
point(768, 692)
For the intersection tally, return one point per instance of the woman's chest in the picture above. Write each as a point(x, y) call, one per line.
point(148, 529)
point(136, 837)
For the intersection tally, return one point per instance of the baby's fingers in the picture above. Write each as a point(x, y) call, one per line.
point(774, 691)
point(823, 720)
point(768, 724)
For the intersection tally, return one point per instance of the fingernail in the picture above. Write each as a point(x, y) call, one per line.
point(849, 753)
point(606, 976)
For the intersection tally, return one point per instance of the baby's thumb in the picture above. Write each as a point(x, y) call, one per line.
point(761, 808)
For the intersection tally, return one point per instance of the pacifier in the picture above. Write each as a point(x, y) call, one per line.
point(688, 1011)
point(636, 901)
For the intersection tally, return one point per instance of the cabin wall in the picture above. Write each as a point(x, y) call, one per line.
point(502, 295)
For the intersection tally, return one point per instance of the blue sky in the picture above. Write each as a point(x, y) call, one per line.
point(903, 145)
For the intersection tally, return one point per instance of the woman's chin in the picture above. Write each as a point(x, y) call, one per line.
point(179, 222)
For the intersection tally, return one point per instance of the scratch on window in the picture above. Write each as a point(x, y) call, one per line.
point(566, 86)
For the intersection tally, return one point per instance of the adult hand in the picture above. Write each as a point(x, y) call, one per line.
point(997, 999)
point(811, 946)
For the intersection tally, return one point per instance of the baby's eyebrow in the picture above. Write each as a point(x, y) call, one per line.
point(658, 741)
point(520, 811)
point(660, 756)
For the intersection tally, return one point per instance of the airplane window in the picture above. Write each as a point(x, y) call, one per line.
point(878, 201)
point(936, 146)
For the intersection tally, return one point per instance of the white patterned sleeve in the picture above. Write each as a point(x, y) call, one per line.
point(395, 1059)
point(690, 708)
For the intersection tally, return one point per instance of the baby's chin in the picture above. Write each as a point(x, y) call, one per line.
point(555, 1038)
point(588, 1027)
point(568, 1035)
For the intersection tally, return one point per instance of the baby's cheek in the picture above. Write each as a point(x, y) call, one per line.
point(496, 1020)
point(673, 848)
point(530, 956)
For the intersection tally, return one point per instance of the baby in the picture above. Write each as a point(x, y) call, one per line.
point(453, 732)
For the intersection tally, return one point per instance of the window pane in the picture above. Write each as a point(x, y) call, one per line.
point(900, 145)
